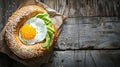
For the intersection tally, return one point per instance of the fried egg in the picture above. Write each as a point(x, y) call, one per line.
point(32, 31)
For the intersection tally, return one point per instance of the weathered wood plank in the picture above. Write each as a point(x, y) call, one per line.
point(1, 15)
point(111, 56)
point(70, 8)
point(89, 62)
point(67, 59)
point(96, 32)
point(90, 33)
point(68, 38)
point(79, 58)
point(66, 7)
point(89, 58)
point(78, 33)
point(76, 8)
point(9, 8)
point(83, 32)
point(99, 32)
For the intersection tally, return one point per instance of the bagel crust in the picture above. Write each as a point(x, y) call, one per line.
point(11, 33)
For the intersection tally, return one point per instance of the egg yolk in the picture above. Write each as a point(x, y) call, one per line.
point(28, 32)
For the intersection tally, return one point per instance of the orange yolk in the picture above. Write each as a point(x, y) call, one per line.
point(27, 32)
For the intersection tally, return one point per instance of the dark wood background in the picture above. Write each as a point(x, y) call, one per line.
point(90, 36)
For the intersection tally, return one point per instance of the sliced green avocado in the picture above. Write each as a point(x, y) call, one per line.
point(48, 39)
point(50, 24)
point(47, 43)
point(50, 30)
point(49, 35)
point(47, 20)
point(41, 15)
point(44, 17)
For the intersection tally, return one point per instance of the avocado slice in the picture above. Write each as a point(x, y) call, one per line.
point(50, 24)
point(47, 43)
point(44, 17)
point(49, 35)
point(40, 15)
point(50, 30)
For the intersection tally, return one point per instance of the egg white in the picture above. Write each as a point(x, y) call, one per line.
point(41, 31)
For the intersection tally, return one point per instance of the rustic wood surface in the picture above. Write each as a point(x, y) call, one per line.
point(82, 58)
point(92, 25)
point(70, 8)
point(77, 8)
point(90, 33)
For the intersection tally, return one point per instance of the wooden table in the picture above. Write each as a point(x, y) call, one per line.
point(90, 37)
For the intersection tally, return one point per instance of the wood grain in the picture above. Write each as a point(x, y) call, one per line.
point(81, 58)
point(1, 15)
point(80, 32)
point(77, 8)
point(69, 8)
point(91, 24)
point(90, 33)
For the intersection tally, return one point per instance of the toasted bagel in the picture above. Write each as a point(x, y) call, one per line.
point(11, 33)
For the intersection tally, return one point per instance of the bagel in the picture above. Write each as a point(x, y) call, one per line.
point(16, 23)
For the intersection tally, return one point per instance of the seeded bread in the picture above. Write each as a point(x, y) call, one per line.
point(11, 33)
